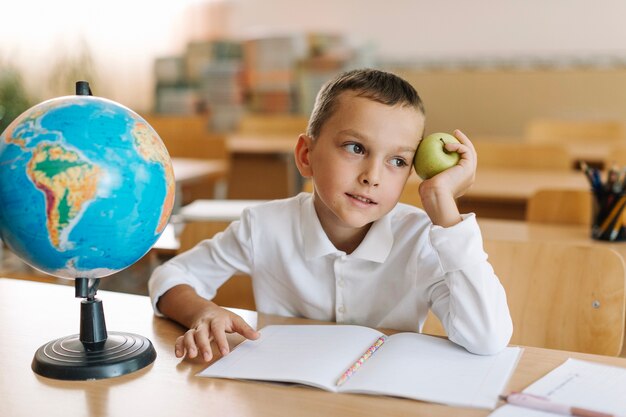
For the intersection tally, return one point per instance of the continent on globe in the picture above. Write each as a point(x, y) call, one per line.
point(150, 147)
point(68, 182)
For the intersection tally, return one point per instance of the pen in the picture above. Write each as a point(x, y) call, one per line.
point(588, 173)
point(612, 177)
point(369, 352)
point(544, 404)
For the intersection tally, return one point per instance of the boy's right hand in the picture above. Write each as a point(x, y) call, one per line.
point(212, 325)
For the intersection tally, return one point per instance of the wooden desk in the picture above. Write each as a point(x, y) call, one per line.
point(216, 210)
point(504, 193)
point(595, 153)
point(195, 179)
point(199, 178)
point(543, 232)
point(263, 167)
point(34, 313)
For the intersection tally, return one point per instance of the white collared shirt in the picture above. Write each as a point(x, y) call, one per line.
point(404, 266)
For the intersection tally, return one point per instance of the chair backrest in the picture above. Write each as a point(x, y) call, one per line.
point(188, 136)
point(561, 206)
point(551, 130)
point(560, 296)
point(494, 154)
point(237, 291)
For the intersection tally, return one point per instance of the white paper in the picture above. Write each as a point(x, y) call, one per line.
point(433, 369)
point(581, 384)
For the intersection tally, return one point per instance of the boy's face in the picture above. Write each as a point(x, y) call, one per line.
point(362, 159)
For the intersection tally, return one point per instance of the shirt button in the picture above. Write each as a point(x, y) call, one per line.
point(340, 283)
point(341, 309)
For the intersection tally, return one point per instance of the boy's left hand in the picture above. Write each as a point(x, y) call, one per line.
point(438, 193)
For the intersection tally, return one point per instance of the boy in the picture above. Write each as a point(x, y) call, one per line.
point(349, 252)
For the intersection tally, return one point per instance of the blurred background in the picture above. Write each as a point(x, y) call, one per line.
point(484, 66)
point(539, 86)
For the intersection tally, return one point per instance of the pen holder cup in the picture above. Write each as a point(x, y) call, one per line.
point(609, 216)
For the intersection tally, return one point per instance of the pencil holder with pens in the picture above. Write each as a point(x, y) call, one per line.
point(608, 216)
point(609, 202)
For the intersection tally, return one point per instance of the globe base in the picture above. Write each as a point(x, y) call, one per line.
point(68, 358)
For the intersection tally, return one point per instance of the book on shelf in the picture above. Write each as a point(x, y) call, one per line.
point(357, 359)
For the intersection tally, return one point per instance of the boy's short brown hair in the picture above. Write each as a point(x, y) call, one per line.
point(383, 87)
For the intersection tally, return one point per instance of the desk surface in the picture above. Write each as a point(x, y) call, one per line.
point(543, 232)
point(33, 314)
point(262, 144)
point(216, 210)
point(516, 184)
point(504, 193)
point(189, 170)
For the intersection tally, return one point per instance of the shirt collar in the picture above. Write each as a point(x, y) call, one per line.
point(375, 247)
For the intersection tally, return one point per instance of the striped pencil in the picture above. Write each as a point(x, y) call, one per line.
point(355, 367)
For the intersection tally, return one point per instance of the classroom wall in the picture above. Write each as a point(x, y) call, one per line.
point(126, 37)
point(413, 29)
point(500, 102)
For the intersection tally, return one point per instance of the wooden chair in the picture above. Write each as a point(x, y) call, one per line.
point(189, 137)
point(237, 291)
point(264, 143)
point(560, 206)
point(520, 155)
point(559, 131)
point(410, 193)
point(560, 296)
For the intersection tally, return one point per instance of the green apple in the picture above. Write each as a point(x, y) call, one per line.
point(432, 157)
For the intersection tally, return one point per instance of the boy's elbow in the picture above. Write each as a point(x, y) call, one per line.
point(490, 341)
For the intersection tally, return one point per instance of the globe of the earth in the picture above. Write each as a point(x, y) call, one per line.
point(86, 187)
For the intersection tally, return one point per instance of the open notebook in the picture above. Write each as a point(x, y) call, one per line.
point(410, 365)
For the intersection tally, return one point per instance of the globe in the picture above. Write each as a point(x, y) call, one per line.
point(86, 187)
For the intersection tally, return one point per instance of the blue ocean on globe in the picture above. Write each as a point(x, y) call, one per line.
point(86, 187)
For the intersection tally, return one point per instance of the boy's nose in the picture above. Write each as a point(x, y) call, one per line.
point(370, 176)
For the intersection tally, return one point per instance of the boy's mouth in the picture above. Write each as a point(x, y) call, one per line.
point(361, 198)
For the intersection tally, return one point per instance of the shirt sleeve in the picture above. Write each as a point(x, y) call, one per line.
point(209, 264)
point(469, 301)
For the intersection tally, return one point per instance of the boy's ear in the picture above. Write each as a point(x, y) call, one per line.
point(302, 153)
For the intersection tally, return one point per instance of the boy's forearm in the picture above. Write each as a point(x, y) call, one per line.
point(183, 305)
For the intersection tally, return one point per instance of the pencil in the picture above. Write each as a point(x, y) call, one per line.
point(615, 212)
point(617, 227)
point(355, 367)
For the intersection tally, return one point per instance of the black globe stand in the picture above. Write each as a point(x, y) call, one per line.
point(94, 353)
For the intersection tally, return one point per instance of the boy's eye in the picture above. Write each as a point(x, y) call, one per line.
point(398, 162)
point(354, 148)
